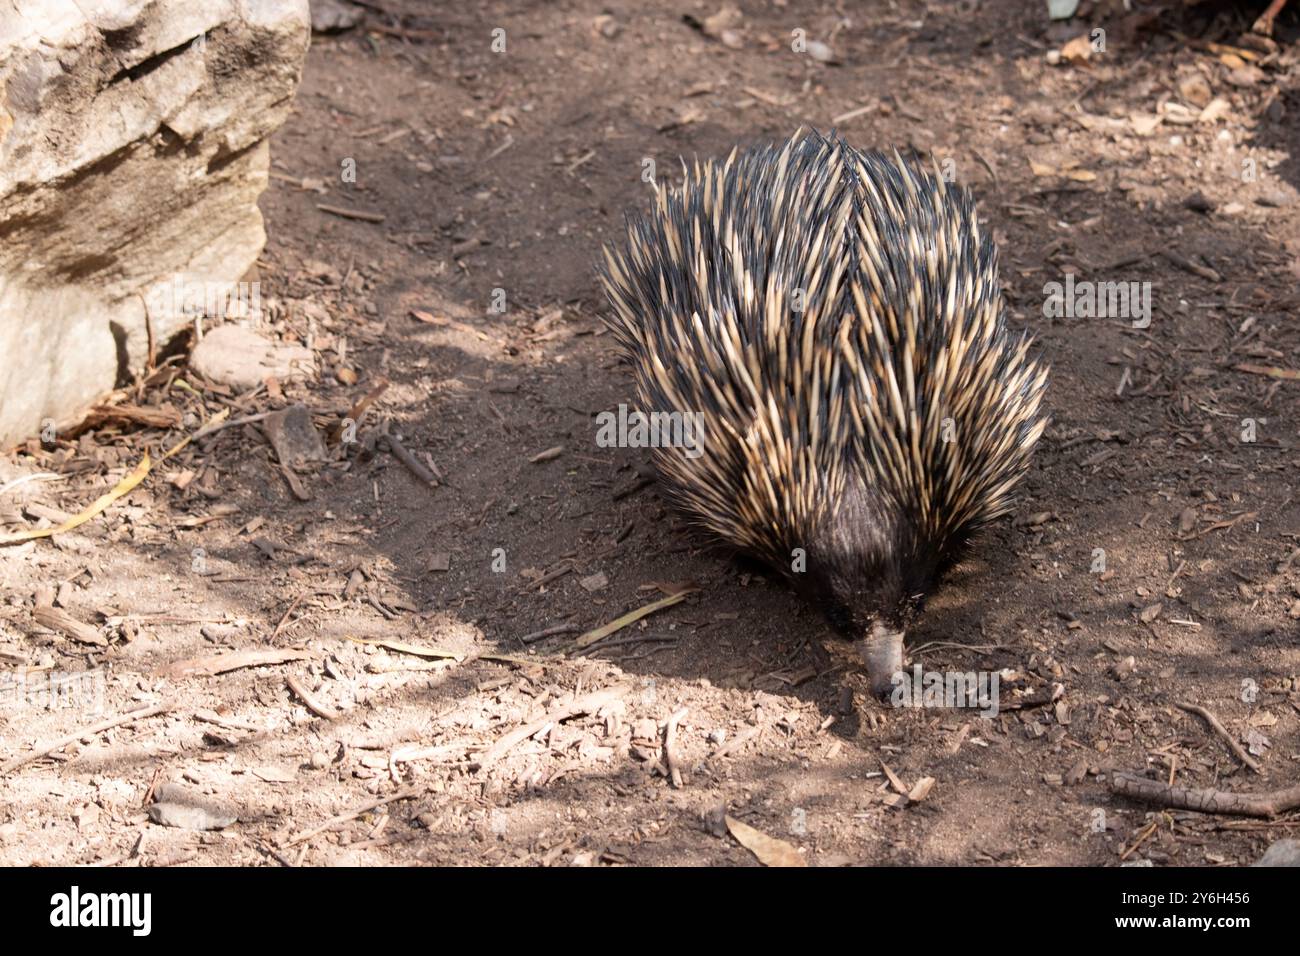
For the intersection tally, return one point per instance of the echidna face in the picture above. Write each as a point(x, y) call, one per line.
point(867, 567)
point(856, 601)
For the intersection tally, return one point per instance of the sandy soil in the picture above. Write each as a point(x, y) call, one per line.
point(507, 171)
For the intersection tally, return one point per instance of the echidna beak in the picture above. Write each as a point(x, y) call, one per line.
point(882, 654)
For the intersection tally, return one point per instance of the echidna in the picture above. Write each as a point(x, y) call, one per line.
point(835, 317)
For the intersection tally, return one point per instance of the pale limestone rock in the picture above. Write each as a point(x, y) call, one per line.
point(239, 357)
point(133, 147)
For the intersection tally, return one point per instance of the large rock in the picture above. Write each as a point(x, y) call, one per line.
point(1281, 853)
point(133, 147)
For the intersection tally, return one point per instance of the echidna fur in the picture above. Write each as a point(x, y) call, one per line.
point(877, 428)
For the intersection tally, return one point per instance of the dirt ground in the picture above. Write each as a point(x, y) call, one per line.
point(507, 171)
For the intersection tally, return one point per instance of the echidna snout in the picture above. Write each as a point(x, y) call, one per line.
point(835, 317)
point(882, 655)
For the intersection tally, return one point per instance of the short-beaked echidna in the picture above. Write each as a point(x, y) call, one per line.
point(835, 318)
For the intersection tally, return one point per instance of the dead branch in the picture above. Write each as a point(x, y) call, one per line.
point(1267, 804)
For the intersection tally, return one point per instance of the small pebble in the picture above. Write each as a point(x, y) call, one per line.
point(820, 52)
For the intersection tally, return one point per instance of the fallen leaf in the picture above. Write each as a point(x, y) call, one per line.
point(221, 663)
point(1256, 742)
point(631, 617)
point(1077, 50)
point(594, 582)
point(769, 850)
point(1195, 90)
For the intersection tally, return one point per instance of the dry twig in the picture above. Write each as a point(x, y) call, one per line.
point(351, 815)
point(46, 749)
point(312, 704)
point(670, 748)
point(1218, 728)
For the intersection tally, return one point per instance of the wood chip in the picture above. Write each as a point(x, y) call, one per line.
point(893, 779)
point(921, 789)
point(69, 626)
point(670, 748)
point(549, 455)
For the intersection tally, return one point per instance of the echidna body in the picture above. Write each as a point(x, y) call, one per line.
point(836, 318)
